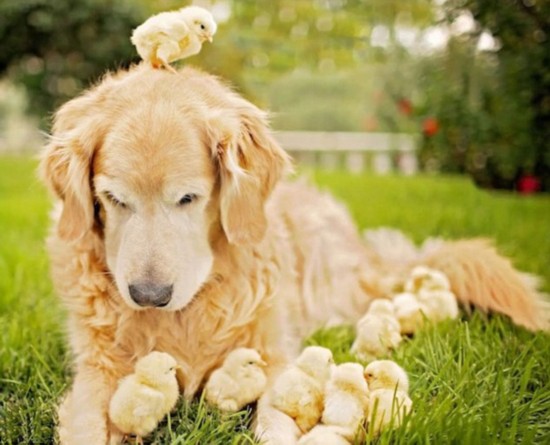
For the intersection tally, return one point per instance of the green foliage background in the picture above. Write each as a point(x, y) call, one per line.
point(314, 64)
point(57, 48)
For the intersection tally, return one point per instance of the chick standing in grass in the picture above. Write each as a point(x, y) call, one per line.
point(387, 408)
point(145, 397)
point(382, 307)
point(298, 391)
point(388, 399)
point(424, 278)
point(241, 380)
point(410, 312)
point(174, 35)
point(433, 291)
point(441, 304)
point(377, 332)
point(346, 399)
point(386, 374)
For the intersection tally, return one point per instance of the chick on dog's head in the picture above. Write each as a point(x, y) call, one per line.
point(200, 21)
point(160, 171)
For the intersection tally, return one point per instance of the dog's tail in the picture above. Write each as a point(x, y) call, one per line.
point(478, 274)
point(482, 277)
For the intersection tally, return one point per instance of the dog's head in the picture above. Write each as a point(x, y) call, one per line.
point(165, 168)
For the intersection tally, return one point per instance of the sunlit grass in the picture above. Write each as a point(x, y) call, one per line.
point(477, 380)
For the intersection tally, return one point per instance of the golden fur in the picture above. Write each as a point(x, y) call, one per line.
point(255, 262)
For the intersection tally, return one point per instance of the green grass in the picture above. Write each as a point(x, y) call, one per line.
point(477, 380)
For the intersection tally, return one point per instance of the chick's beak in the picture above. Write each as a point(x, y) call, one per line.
point(262, 363)
point(210, 38)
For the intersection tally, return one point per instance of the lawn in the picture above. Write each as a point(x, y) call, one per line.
point(478, 380)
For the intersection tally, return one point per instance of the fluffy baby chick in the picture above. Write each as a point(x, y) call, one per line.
point(440, 304)
point(346, 399)
point(174, 35)
point(381, 306)
point(298, 390)
point(377, 332)
point(432, 290)
point(241, 380)
point(384, 309)
point(387, 408)
point(142, 399)
point(424, 278)
point(410, 312)
point(386, 374)
point(324, 435)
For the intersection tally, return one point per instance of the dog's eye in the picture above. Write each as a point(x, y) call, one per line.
point(114, 201)
point(187, 199)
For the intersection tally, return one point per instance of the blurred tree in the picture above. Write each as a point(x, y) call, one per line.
point(259, 41)
point(55, 48)
point(522, 28)
point(312, 62)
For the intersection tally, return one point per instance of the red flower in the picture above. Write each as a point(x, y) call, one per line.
point(528, 184)
point(405, 106)
point(430, 126)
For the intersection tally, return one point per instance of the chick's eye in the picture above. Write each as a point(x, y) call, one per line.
point(187, 199)
point(203, 27)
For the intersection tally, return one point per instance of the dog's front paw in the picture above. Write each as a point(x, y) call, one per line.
point(78, 427)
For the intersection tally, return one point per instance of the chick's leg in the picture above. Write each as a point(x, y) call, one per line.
point(167, 51)
point(83, 413)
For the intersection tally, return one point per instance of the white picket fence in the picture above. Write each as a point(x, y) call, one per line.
point(354, 152)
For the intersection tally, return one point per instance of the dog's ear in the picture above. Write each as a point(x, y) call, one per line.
point(66, 163)
point(250, 162)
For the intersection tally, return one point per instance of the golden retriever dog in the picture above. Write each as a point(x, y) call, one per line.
point(176, 232)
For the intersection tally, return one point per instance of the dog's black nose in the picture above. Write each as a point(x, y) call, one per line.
point(151, 294)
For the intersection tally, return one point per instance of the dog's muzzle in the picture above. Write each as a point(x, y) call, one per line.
point(151, 294)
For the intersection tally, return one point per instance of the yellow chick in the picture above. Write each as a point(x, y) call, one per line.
point(142, 399)
point(324, 435)
point(424, 278)
point(381, 306)
point(385, 310)
point(346, 399)
point(386, 374)
point(298, 391)
point(440, 304)
point(410, 312)
point(387, 408)
point(241, 380)
point(174, 35)
point(377, 332)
